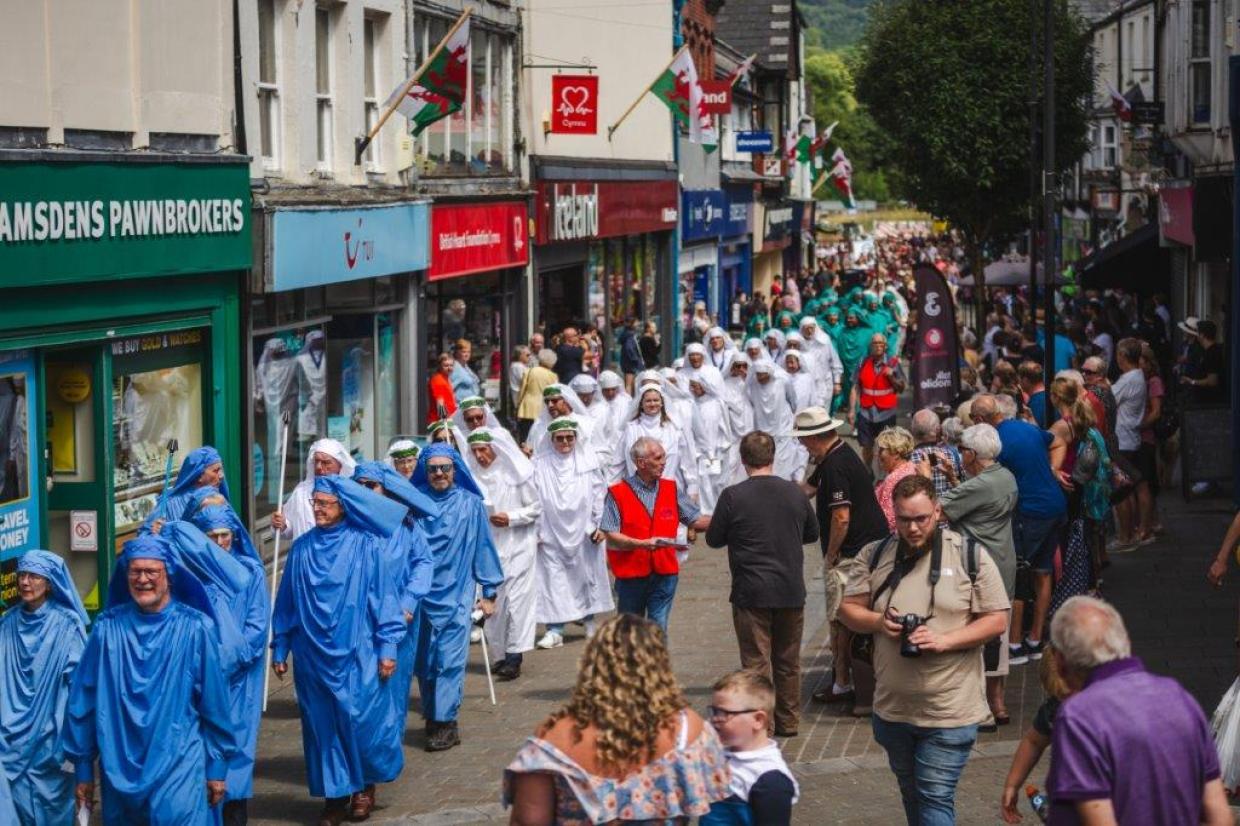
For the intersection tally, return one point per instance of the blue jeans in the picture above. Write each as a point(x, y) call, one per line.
point(927, 763)
point(647, 596)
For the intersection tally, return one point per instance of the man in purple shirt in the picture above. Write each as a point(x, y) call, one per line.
point(1130, 747)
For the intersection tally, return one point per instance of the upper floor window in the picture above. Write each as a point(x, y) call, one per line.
point(1199, 68)
point(371, 77)
point(323, 86)
point(476, 139)
point(269, 83)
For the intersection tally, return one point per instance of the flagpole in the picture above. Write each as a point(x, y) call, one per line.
point(360, 144)
point(749, 60)
point(611, 129)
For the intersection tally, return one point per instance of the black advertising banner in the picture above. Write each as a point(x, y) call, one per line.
point(936, 356)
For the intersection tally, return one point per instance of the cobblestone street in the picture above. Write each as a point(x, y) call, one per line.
point(1180, 626)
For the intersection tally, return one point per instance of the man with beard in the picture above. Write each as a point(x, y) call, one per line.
point(513, 507)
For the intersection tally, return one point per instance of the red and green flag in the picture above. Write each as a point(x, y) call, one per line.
point(680, 91)
point(440, 90)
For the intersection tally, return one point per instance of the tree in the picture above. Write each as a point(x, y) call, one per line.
point(948, 82)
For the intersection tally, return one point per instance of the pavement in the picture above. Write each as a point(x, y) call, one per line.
point(1180, 626)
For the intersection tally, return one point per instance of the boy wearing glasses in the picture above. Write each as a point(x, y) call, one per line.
point(762, 787)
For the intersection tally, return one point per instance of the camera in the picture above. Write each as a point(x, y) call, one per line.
point(908, 624)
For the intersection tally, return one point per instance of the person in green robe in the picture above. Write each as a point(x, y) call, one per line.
point(852, 346)
point(757, 326)
point(786, 321)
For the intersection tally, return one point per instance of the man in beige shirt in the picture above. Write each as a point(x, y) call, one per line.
point(930, 611)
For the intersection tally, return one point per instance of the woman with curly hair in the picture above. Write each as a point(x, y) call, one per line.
point(626, 748)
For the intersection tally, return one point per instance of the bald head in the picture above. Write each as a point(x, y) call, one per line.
point(985, 409)
point(925, 426)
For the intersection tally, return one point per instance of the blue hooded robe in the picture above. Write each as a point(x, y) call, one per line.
point(8, 812)
point(38, 652)
point(236, 585)
point(465, 557)
point(409, 559)
point(337, 611)
point(149, 700)
point(174, 504)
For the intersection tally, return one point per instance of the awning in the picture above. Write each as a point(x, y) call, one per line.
point(734, 172)
point(1135, 262)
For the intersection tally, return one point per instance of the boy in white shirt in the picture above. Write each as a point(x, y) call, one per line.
point(763, 789)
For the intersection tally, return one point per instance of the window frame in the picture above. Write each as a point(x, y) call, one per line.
point(325, 102)
point(1111, 131)
point(373, 27)
point(1200, 63)
point(268, 91)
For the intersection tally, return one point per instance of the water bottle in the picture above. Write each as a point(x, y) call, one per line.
point(1039, 802)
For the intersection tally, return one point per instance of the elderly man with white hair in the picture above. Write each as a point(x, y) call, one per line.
point(981, 506)
point(943, 459)
point(1129, 746)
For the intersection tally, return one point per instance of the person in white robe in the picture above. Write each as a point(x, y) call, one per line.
point(513, 509)
point(830, 369)
point(326, 457)
point(619, 403)
point(719, 346)
point(445, 430)
point(793, 343)
point(772, 400)
point(602, 434)
point(402, 456)
point(680, 405)
point(755, 349)
point(475, 412)
point(740, 414)
point(652, 416)
point(696, 359)
point(714, 435)
point(571, 568)
point(559, 400)
point(775, 344)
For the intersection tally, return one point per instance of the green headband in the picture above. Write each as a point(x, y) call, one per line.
point(408, 453)
point(563, 423)
point(552, 390)
point(473, 401)
point(441, 425)
point(480, 438)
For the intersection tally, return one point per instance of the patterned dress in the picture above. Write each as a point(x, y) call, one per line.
point(672, 789)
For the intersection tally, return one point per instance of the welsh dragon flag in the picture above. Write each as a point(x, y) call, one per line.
point(440, 90)
point(680, 91)
point(841, 176)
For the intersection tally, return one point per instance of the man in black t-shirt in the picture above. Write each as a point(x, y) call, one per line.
point(849, 518)
point(1204, 376)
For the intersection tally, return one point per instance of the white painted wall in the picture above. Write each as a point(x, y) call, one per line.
point(1203, 144)
point(630, 44)
point(140, 66)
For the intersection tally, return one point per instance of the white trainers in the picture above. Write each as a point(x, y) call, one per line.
point(591, 627)
point(551, 639)
point(475, 635)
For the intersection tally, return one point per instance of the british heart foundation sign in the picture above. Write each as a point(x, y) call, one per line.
point(574, 104)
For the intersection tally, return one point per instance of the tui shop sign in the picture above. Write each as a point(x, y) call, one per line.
point(67, 222)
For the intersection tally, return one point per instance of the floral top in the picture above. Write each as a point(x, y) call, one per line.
point(679, 785)
point(884, 488)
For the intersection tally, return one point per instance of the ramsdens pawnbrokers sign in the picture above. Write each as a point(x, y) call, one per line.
point(63, 222)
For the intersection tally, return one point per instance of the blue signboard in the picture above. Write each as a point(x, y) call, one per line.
point(19, 512)
point(312, 247)
point(703, 212)
point(754, 142)
point(738, 211)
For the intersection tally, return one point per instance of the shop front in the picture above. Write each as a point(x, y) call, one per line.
point(329, 336)
point(603, 255)
point(701, 223)
point(736, 251)
point(119, 350)
point(473, 289)
point(777, 222)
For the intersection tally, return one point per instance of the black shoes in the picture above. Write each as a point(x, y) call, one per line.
point(506, 670)
point(442, 736)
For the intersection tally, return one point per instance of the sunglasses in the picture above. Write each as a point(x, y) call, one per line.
point(564, 437)
point(439, 470)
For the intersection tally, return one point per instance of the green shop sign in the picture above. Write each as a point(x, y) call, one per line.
point(69, 222)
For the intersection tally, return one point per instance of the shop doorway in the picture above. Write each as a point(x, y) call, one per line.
point(561, 298)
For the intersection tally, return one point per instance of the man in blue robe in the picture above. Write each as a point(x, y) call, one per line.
point(409, 561)
point(338, 613)
point(8, 812)
point(41, 642)
point(149, 699)
point(202, 468)
point(217, 550)
point(465, 558)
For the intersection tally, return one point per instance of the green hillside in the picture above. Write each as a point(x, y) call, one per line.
point(835, 24)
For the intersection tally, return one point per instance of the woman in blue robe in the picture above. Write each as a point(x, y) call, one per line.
point(409, 561)
point(217, 550)
point(465, 558)
point(202, 468)
point(149, 700)
point(338, 613)
point(41, 641)
point(8, 811)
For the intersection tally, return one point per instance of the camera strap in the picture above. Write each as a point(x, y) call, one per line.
point(903, 565)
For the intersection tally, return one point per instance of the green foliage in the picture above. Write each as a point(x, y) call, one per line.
point(948, 83)
point(832, 24)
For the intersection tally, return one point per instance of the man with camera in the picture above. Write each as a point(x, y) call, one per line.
point(930, 600)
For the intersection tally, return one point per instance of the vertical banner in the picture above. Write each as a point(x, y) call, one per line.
point(936, 355)
point(19, 515)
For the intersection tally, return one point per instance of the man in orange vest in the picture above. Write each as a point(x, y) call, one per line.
point(641, 517)
point(878, 383)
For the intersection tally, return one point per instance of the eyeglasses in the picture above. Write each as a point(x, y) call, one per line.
point(145, 573)
point(717, 713)
point(439, 470)
point(914, 520)
point(322, 504)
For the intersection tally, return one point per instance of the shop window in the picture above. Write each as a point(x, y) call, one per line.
point(269, 83)
point(358, 293)
point(14, 438)
point(1109, 147)
point(323, 86)
point(473, 309)
point(1199, 89)
point(156, 397)
point(472, 140)
point(371, 75)
point(385, 291)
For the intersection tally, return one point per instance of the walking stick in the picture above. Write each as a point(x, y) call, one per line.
point(486, 656)
point(275, 561)
point(173, 447)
